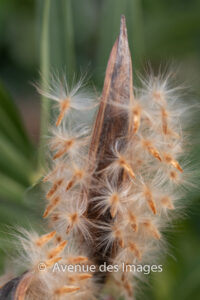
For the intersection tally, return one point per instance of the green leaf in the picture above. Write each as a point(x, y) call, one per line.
point(11, 125)
point(16, 166)
point(16, 150)
point(13, 162)
point(10, 189)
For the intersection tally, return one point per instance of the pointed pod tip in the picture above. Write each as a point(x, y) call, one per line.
point(123, 29)
point(123, 19)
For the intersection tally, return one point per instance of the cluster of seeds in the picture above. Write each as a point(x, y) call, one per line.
point(66, 205)
point(140, 185)
point(47, 258)
point(137, 190)
point(69, 174)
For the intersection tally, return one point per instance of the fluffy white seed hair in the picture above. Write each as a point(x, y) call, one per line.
point(68, 98)
point(152, 161)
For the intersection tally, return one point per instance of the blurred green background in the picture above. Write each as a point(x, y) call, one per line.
point(77, 35)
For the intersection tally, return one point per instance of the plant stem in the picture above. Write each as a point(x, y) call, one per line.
point(44, 66)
